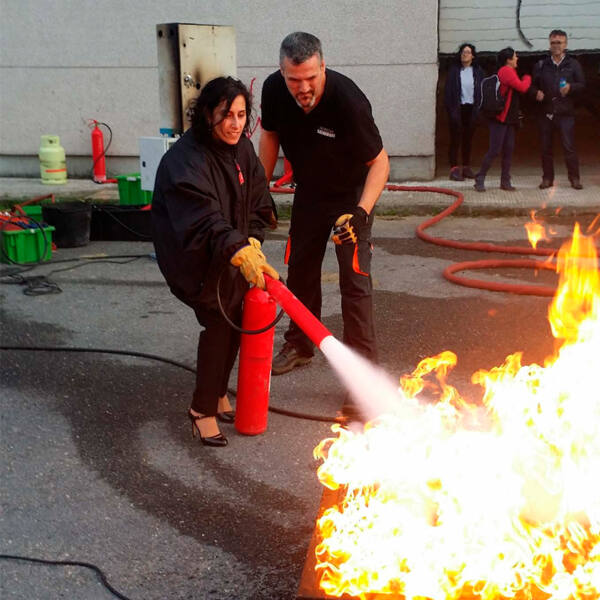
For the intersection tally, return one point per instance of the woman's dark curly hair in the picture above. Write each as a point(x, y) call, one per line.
point(214, 93)
point(462, 47)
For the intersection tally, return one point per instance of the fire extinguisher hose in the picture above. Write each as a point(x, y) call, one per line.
point(237, 327)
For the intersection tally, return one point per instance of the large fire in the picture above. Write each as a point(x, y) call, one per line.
point(488, 502)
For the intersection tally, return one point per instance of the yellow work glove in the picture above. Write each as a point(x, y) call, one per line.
point(348, 227)
point(252, 263)
point(343, 232)
point(254, 242)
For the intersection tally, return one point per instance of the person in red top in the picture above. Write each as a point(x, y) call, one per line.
point(503, 126)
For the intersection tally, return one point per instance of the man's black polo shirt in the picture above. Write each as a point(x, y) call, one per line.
point(329, 146)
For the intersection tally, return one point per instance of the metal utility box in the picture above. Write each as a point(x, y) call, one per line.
point(151, 151)
point(188, 56)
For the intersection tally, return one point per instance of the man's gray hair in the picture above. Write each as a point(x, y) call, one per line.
point(299, 47)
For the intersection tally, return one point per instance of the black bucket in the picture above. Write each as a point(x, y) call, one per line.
point(113, 222)
point(71, 221)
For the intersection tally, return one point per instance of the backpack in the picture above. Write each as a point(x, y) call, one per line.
point(492, 101)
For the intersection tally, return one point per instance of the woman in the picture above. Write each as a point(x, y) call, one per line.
point(209, 210)
point(504, 125)
point(461, 98)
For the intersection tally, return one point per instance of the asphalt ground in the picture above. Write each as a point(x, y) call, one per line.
point(98, 464)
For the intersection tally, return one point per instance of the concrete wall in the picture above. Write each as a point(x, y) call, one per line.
point(63, 62)
point(494, 24)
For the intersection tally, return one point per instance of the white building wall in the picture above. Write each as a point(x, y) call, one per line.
point(63, 62)
point(523, 24)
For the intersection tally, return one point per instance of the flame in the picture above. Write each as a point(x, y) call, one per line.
point(536, 231)
point(486, 502)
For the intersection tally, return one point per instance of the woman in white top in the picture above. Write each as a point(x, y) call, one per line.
point(461, 98)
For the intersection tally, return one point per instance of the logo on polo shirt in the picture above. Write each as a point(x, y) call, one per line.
point(326, 132)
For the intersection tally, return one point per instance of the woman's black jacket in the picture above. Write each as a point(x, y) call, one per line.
point(208, 199)
point(452, 92)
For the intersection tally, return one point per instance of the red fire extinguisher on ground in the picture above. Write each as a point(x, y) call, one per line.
point(256, 352)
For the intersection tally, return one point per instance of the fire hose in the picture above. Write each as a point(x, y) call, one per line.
point(450, 272)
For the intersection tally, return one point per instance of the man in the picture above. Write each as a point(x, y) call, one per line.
point(326, 129)
point(556, 79)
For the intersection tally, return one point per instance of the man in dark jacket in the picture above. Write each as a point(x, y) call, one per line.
point(556, 80)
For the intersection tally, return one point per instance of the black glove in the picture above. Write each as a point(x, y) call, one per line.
point(349, 227)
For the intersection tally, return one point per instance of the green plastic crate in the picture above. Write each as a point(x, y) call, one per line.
point(34, 211)
point(26, 245)
point(130, 190)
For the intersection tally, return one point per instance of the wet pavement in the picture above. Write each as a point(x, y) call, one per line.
point(98, 461)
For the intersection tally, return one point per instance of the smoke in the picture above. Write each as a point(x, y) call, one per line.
point(371, 388)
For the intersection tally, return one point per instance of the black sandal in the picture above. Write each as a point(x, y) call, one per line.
point(214, 440)
point(227, 416)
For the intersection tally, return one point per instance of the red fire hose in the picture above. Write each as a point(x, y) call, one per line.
point(450, 272)
point(494, 286)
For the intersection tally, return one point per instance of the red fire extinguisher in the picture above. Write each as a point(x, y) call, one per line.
point(98, 154)
point(254, 374)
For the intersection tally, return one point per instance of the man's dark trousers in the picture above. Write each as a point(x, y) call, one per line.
point(310, 230)
point(566, 128)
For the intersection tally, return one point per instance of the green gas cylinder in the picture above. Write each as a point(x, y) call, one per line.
point(53, 166)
